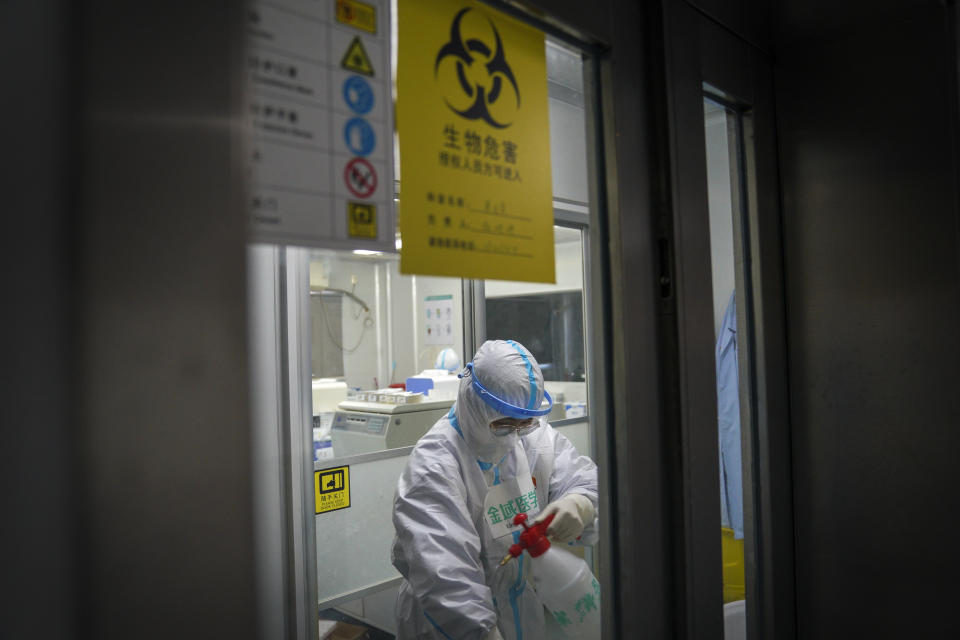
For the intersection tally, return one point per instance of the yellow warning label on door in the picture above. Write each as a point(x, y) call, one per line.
point(331, 488)
point(474, 127)
point(362, 220)
point(357, 14)
point(356, 58)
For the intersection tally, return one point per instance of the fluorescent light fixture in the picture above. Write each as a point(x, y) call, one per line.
point(367, 252)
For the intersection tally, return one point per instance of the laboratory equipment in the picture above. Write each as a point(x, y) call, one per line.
point(327, 393)
point(387, 396)
point(562, 580)
point(558, 411)
point(436, 384)
point(574, 409)
point(361, 427)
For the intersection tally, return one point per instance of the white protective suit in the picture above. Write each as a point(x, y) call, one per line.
point(444, 545)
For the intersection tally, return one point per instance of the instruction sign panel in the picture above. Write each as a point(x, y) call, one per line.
point(357, 14)
point(438, 319)
point(474, 134)
point(332, 489)
point(321, 123)
point(363, 220)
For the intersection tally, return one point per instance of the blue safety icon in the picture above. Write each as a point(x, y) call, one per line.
point(358, 95)
point(359, 136)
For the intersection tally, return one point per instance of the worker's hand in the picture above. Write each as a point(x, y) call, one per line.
point(571, 514)
point(493, 634)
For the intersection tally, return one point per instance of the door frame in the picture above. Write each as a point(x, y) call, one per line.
point(705, 57)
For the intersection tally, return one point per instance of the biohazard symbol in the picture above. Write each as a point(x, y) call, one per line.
point(486, 68)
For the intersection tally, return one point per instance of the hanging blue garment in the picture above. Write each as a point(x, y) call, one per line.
point(728, 414)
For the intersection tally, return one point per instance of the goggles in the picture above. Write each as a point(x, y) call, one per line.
point(506, 426)
point(502, 406)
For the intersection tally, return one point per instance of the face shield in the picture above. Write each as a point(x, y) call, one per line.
point(501, 398)
point(519, 420)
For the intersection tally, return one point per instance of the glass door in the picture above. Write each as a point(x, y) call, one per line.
point(357, 361)
point(725, 155)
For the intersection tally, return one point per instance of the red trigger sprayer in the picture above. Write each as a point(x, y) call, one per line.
point(533, 539)
point(562, 580)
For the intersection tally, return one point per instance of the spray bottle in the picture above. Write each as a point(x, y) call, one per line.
point(562, 580)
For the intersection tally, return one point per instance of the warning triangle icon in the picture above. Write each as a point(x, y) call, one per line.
point(356, 58)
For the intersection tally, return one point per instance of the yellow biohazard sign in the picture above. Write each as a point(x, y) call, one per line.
point(362, 220)
point(356, 58)
point(331, 489)
point(357, 14)
point(474, 131)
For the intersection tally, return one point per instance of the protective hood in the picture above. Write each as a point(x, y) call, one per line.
point(509, 371)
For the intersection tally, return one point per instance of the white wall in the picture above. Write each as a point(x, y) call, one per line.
point(569, 266)
point(721, 210)
point(402, 350)
point(568, 152)
point(568, 139)
point(424, 286)
point(408, 330)
point(366, 362)
point(572, 391)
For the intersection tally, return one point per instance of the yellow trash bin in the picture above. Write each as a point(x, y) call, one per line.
point(734, 583)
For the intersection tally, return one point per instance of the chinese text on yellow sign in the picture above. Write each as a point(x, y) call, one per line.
point(331, 489)
point(475, 193)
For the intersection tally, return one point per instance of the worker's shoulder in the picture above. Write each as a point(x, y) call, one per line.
point(439, 449)
point(431, 470)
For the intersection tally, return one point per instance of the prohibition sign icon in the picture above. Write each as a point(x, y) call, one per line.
point(360, 177)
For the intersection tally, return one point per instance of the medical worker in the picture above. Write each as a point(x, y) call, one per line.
point(492, 456)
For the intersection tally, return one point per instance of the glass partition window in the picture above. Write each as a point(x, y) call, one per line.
point(548, 320)
point(368, 358)
point(724, 153)
point(550, 324)
point(568, 130)
point(373, 329)
point(372, 326)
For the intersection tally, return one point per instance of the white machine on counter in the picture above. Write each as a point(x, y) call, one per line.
point(435, 384)
point(362, 427)
point(327, 394)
